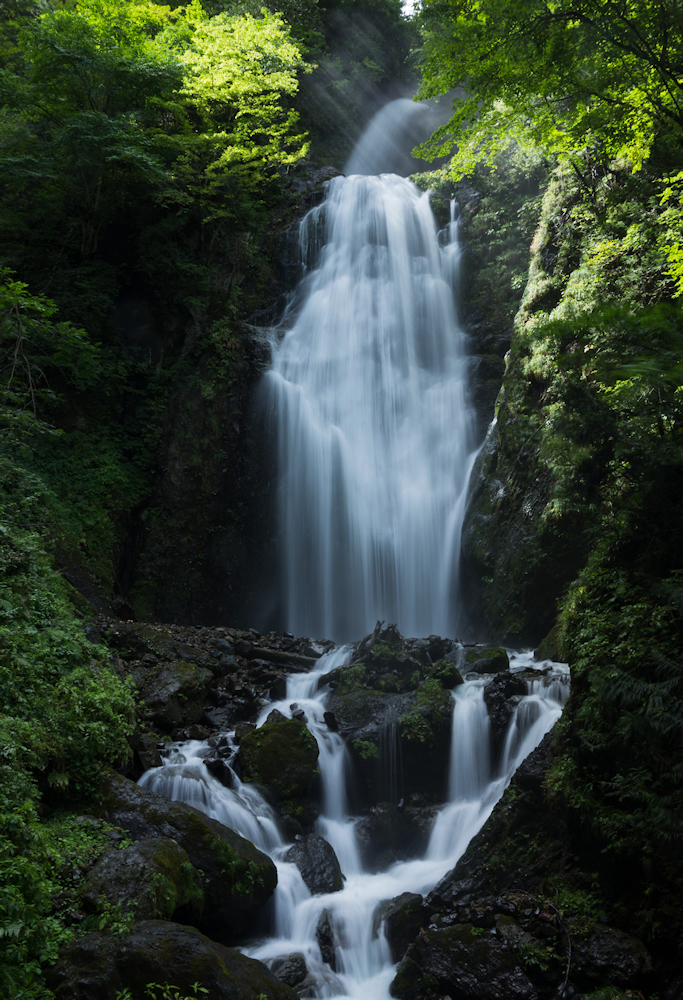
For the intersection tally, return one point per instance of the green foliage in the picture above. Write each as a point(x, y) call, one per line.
point(419, 725)
point(352, 678)
point(432, 695)
point(244, 876)
point(563, 77)
point(622, 738)
point(132, 121)
point(64, 714)
point(366, 749)
point(157, 991)
point(32, 348)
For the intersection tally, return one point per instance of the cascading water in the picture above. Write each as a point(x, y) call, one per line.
point(367, 399)
point(363, 961)
point(375, 446)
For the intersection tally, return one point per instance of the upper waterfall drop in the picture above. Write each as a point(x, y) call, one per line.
point(374, 434)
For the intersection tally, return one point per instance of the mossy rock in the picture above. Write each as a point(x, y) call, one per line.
point(402, 917)
point(464, 962)
point(282, 757)
point(548, 648)
point(485, 660)
point(237, 878)
point(446, 673)
point(100, 966)
point(153, 879)
point(176, 694)
point(425, 736)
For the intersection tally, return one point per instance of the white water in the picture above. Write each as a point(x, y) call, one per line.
point(364, 967)
point(367, 400)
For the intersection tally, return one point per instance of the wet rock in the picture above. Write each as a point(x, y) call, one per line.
point(242, 728)
point(485, 660)
point(548, 648)
point(463, 962)
point(446, 673)
point(153, 879)
point(522, 809)
point(220, 770)
point(224, 716)
point(278, 689)
point(101, 966)
point(331, 721)
point(425, 739)
point(151, 643)
point(399, 743)
point(221, 646)
point(608, 955)
point(190, 733)
point(290, 969)
point(388, 834)
point(275, 716)
point(324, 935)
point(176, 694)
point(281, 756)
point(502, 694)
point(317, 862)
point(146, 754)
point(403, 917)
point(238, 879)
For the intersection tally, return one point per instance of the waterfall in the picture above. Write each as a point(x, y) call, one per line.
point(367, 400)
point(375, 444)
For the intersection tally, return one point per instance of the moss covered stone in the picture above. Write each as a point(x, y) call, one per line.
point(446, 673)
point(486, 660)
point(237, 878)
point(176, 693)
point(461, 961)
point(101, 966)
point(151, 879)
point(282, 756)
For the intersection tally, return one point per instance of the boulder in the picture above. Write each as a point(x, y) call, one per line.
point(324, 935)
point(101, 966)
point(220, 770)
point(402, 917)
point(282, 756)
point(399, 743)
point(484, 660)
point(237, 878)
point(175, 694)
point(502, 694)
point(388, 834)
point(446, 673)
point(153, 879)
point(608, 955)
point(146, 754)
point(317, 862)
point(290, 969)
point(464, 962)
point(425, 739)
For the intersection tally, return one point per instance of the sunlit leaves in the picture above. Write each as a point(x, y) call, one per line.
point(566, 76)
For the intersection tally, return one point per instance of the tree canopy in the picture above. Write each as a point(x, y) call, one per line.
point(563, 74)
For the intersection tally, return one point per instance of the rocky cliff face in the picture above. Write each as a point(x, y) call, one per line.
point(196, 544)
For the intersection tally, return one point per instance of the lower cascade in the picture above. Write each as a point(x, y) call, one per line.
point(335, 941)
